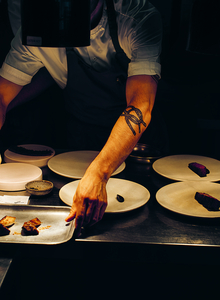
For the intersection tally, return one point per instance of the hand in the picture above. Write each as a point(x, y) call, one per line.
point(89, 202)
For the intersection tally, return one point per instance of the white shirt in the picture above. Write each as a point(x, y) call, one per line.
point(139, 34)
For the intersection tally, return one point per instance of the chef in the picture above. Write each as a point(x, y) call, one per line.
point(109, 90)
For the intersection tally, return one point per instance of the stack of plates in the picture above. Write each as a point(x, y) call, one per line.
point(34, 158)
point(14, 176)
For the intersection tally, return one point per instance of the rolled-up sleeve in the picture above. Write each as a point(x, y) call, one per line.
point(14, 75)
point(22, 63)
point(143, 40)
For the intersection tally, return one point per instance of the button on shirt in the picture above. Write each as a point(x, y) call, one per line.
point(139, 34)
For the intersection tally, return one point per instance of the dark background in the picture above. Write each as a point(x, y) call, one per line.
point(188, 95)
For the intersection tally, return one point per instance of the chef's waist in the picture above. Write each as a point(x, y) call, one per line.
point(101, 116)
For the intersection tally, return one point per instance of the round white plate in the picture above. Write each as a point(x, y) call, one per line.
point(39, 161)
point(176, 167)
point(74, 164)
point(179, 197)
point(134, 194)
point(14, 176)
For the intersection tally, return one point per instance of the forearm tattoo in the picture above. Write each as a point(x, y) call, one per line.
point(130, 118)
point(155, 78)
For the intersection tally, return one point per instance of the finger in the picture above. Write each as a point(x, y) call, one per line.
point(102, 211)
point(98, 214)
point(91, 207)
point(78, 226)
point(71, 215)
point(80, 216)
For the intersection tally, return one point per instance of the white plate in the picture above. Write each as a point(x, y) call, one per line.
point(74, 164)
point(39, 161)
point(179, 197)
point(14, 176)
point(134, 194)
point(176, 167)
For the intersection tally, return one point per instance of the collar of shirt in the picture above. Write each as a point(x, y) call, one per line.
point(99, 53)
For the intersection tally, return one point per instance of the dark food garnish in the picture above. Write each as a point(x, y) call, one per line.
point(120, 198)
point(24, 151)
point(199, 169)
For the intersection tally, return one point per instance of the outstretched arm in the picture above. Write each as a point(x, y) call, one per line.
point(90, 199)
point(8, 91)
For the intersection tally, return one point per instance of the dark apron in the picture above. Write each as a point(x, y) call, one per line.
point(95, 100)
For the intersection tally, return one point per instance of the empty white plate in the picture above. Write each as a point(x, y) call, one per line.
point(74, 164)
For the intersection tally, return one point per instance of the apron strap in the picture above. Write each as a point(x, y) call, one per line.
point(113, 28)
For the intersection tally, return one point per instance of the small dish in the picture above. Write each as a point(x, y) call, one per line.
point(143, 153)
point(39, 187)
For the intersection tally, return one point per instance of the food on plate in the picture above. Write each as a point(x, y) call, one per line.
point(209, 202)
point(120, 198)
point(199, 169)
point(7, 221)
point(4, 230)
point(30, 227)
